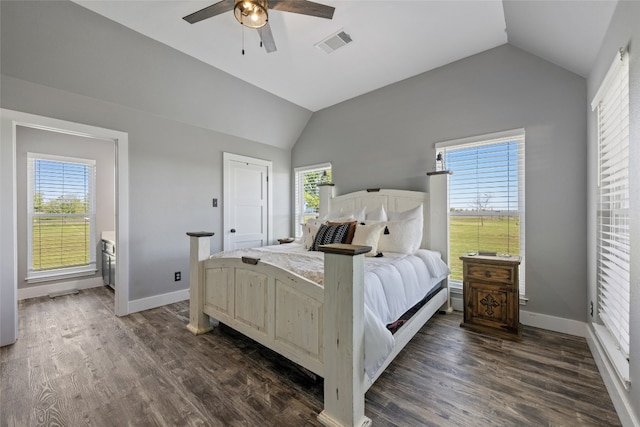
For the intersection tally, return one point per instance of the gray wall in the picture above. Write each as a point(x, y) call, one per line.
point(63, 45)
point(623, 31)
point(40, 141)
point(60, 60)
point(386, 139)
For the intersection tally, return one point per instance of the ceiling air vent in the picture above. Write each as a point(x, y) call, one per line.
point(334, 42)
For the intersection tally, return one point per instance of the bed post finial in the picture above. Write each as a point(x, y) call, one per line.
point(344, 336)
point(200, 249)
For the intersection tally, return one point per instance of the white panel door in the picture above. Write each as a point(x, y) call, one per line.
point(246, 202)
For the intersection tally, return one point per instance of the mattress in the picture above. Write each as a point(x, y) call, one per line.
point(392, 285)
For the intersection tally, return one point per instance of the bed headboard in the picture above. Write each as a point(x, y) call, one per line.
point(392, 200)
point(435, 231)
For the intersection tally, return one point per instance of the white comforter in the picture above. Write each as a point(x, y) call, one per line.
point(392, 285)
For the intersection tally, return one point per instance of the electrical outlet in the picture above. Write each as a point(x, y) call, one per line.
point(215, 203)
point(177, 276)
point(591, 307)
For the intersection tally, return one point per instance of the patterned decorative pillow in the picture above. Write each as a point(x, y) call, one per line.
point(352, 229)
point(328, 234)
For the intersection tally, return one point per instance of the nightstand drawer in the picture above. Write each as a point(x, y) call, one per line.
point(491, 273)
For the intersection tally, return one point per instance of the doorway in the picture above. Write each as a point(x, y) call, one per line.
point(247, 202)
point(9, 122)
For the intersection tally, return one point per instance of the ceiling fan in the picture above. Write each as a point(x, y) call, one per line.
point(254, 14)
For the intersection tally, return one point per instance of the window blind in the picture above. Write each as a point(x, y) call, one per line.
point(486, 197)
point(307, 195)
point(613, 238)
point(61, 215)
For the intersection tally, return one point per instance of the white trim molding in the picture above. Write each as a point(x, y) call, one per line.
point(553, 323)
point(157, 301)
point(506, 135)
point(11, 119)
point(59, 288)
point(619, 395)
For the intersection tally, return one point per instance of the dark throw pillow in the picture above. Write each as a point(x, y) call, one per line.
point(328, 234)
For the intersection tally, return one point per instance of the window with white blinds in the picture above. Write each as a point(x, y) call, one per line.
point(307, 194)
point(612, 234)
point(61, 216)
point(486, 197)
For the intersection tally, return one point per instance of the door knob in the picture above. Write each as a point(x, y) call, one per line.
point(233, 230)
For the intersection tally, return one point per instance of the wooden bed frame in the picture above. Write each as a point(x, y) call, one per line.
point(321, 329)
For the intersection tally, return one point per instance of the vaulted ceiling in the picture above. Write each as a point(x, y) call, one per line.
point(392, 39)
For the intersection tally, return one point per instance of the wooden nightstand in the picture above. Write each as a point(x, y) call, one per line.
point(491, 295)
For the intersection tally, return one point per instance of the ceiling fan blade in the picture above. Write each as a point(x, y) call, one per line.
point(267, 38)
point(209, 11)
point(303, 7)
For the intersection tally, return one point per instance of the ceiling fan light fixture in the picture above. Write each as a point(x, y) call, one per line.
point(251, 13)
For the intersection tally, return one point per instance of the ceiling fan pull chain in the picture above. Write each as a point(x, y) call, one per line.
point(243, 40)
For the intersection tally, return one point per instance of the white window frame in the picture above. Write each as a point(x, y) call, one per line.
point(36, 276)
point(298, 190)
point(497, 137)
point(611, 104)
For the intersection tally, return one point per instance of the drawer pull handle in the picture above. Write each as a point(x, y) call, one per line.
point(487, 273)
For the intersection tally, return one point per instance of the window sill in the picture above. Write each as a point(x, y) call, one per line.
point(615, 356)
point(51, 276)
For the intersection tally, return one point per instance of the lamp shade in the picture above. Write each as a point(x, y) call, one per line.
point(251, 13)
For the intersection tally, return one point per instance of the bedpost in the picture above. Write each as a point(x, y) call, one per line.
point(439, 222)
point(344, 336)
point(326, 194)
point(199, 251)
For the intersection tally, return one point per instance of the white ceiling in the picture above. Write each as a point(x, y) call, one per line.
point(392, 39)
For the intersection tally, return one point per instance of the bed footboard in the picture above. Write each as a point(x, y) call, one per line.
point(275, 307)
point(320, 329)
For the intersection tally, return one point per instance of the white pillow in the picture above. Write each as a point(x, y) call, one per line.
point(359, 215)
point(408, 214)
point(401, 236)
point(309, 231)
point(334, 214)
point(368, 235)
point(378, 214)
point(414, 213)
point(347, 218)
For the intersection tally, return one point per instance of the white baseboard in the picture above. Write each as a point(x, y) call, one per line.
point(552, 323)
point(537, 320)
point(619, 396)
point(456, 299)
point(157, 300)
point(68, 286)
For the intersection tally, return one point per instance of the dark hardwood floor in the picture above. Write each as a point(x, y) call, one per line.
point(76, 364)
